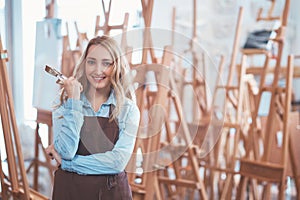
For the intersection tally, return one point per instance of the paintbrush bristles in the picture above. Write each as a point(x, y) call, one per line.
point(55, 73)
point(52, 71)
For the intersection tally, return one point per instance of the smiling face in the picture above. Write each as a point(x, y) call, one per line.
point(102, 68)
point(98, 67)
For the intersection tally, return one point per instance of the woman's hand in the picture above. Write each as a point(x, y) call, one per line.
point(72, 87)
point(53, 154)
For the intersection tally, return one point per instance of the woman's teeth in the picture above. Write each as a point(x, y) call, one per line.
point(98, 78)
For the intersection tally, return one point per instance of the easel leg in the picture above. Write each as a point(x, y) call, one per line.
point(36, 156)
point(4, 189)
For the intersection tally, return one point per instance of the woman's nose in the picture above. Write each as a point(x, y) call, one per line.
point(100, 67)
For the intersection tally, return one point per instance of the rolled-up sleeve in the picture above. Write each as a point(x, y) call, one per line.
point(113, 161)
point(67, 123)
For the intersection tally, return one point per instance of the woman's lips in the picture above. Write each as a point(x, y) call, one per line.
point(98, 78)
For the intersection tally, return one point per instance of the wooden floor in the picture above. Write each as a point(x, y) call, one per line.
point(290, 192)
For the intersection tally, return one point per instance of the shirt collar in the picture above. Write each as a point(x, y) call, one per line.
point(111, 99)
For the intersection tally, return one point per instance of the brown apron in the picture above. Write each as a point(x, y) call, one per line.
point(97, 135)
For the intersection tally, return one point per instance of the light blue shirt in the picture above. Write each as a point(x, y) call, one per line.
point(67, 123)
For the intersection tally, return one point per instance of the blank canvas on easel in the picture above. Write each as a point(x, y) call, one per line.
point(48, 50)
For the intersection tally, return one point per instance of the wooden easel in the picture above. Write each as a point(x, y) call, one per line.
point(294, 150)
point(268, 168)
point(12, 186)
point(145, 190)
point(226, 150)
point(198, 82)
point(148, 50)
point(145, 99)
point(182, 182)
point(279, 40)
point(269, 16)
point(187, 178)
point(151, 144)
point(144, 96)
point(147, 9)
point(228, 145)
point(43, 117)
point(225, 147)
point(50, 9)
point(70, 56)
point(106, 28)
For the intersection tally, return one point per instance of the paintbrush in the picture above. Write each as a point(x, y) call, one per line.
point(56, 73)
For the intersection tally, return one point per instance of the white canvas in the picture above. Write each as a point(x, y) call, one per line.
point(48, 51)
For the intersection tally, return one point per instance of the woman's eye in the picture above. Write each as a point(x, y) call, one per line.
point(106, 64)
point(90, 62)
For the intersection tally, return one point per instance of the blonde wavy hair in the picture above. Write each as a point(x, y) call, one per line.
point(120, 78)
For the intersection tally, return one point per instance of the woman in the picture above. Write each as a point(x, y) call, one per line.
point(95, 127)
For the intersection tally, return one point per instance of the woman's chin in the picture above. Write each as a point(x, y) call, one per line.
point(100, 85)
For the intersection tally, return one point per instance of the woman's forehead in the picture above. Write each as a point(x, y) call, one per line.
point(98, 51)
